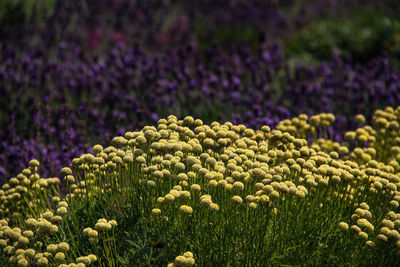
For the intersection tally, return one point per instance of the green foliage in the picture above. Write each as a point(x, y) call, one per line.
point(19, 12)
point(226, 35)
point(362, 37)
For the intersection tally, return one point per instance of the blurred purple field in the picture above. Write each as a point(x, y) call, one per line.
point(76, 74)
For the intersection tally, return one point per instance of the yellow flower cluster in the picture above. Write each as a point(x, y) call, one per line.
point(203, 171)
point(102, 225)
point(390, 229)
point(17, 242)
point(21, 196)
point(186, 259)
point(262, 167)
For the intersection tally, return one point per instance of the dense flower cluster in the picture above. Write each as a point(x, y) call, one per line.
point(285, 181)
point(183, 260)
point(27, 245)
point(184, 173)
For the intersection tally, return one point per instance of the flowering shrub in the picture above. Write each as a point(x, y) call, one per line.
point(224, 194)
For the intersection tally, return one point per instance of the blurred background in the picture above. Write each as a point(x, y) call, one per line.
point(77, 73)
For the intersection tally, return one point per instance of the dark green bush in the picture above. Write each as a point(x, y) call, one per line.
point(361, 37)
point(14, 13)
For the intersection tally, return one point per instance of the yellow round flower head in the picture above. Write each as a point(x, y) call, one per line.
point(363, 235)
point(59, 257)
point(238, 186)
point(190, 261)
point(253, 205)
point(177, 187)
point(188, 254)
point(237, 200)
point(364, 206)
point(156, 211)
point(63, 247)
point(180, 261)
point(85, 260)
point(42, 261)
point(65, 171)
point(213, 207)
point(113, 223)
point(212, 183)
point(185, 194)
point(195, 187)
point(34, 163)
point(93, 234)
point(53, 229)
point(87, 230)
point(275, 211)
point(228, 187)
point(186, 209)
point(388, 223)
point(22, 262)
point(205, 201)
point(381, 237)
point(275, 194)
point(62, 211)
point(92, 257)
point(370, 244)
point(28, 233)
point(360, 119)
point(169, 198)
point(52, 248)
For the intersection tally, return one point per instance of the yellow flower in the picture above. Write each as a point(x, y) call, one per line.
point(214, 207)
point(180, 261)
point(85, 260)
point(59, 257)
point(42, 261)
point(253, 205)
point(29, 253)
point(93, 258)
point(186, 209)
point(237, 200)
point(382, 238)
point(388, 223)
point(195, 187)
point(275, 211)
point(360, 119)
point(212, 183)
point(63, 247)
point(52, 248)
point(65, 171)
point(87, 230)
point(188, 254)
point(34, 163)
point(363, 235)
point(113, 223)
point(169, 198)
point(22, 262)
point(61, 211)
point(238, 186)
point(93, 234)
point(156, 212)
